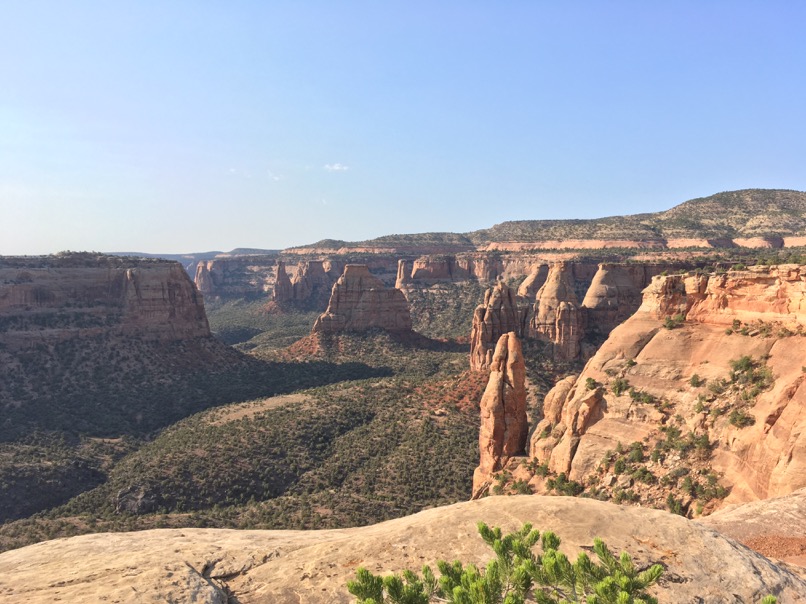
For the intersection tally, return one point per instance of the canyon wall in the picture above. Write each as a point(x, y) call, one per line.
point(236, 277)
point(153, 300)
point(504, 426)
point(719, 357)
point(547, 308)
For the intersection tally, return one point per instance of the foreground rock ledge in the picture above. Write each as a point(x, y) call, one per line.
point(200, 565)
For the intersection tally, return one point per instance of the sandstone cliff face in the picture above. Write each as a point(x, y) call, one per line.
point(557, 316)
point(615, 293)
point(314, 279)
point(236, 277)
point(403, 274)
point(151, 300)
point(546, 307)
point(501, 313)
point(503, 412)
point(765, 305)
point(533, 282)
point(359, 301)
point(283, 289)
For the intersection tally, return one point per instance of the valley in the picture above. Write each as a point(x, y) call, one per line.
point(336, 385)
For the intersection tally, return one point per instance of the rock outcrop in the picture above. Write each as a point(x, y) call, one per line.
point(615, 294)
point(236, 277)
point(533, 282)
point(217, 565)
point(313, 281)
point(283, 289)
point(44, 299)
point(557, 317)
point(403, 274)
point(504, 425)
point(359, 302)
point(501, 313)
point(675, 360)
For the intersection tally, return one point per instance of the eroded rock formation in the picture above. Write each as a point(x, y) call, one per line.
point(152, 300)
point(359, 301)
point(504, 425)
point(502, 312)
point(236, 277)
point(688, 335)
point(557, 316)
point(219, 565)
point(615, 294)
point(283, 289)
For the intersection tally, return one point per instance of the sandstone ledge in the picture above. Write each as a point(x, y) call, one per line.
point(313, 566)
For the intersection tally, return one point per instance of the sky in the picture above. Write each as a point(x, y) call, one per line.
point(188, 126)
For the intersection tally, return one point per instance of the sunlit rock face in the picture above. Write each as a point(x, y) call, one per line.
point(359, 301)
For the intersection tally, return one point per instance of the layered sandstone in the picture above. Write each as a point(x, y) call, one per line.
point(152, 300)
point(615, 293)
point(283, 289)
point(504, 425)
point(359, 302)
point(219, 565)
point(546, 307)
point(502, 312)
point(533, 282)
point(697, 346)
point(236, 277)
point(557, 317)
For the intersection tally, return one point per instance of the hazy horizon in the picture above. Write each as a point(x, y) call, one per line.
point(190, 127)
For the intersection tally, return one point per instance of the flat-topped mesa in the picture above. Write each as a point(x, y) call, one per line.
point(557, 317)
point(120, 296)
point(359, 301)
point(501, 313)
point(504, 425)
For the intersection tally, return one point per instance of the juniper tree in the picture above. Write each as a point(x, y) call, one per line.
point(516, 576)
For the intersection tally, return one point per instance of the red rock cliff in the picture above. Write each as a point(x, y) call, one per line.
point(503, 412)
point(501, 312)
point(680, 349)
point(151, 300)
point(359, 301)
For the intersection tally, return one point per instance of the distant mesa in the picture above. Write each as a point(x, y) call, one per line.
point(753, 218)
point(359, 301)
point(53, 298)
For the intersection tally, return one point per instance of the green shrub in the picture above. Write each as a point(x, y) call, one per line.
point(515, 574)
point(741, 419)
point(619, 386)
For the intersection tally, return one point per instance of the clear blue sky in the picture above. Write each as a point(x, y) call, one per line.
point(178, 126)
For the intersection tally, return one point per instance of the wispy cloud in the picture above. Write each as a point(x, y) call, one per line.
point(273, 176)
point(336, 167)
